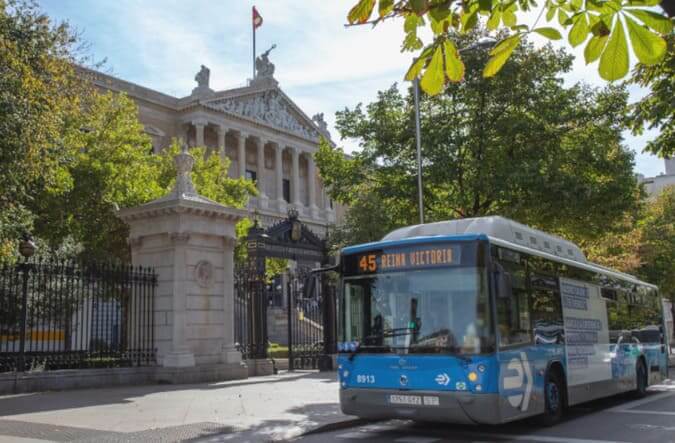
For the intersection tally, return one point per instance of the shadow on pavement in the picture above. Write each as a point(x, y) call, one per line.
point(59, 400)
point(309, 418)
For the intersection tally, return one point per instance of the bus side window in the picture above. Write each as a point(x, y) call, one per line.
point(613, 319)
point(513, 311)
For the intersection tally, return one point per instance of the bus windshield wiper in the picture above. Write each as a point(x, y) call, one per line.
point(394, 332)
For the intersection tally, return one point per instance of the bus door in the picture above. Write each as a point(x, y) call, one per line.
point(515, 339)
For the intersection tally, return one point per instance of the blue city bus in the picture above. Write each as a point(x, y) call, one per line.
point(486, 320)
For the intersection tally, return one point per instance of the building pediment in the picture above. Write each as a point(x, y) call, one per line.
point(270, 107)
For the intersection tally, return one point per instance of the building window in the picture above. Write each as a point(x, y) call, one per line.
point(287, 190)
point(250, 175)
point(331, 203)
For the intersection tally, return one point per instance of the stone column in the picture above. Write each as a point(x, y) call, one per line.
point(229, 352)
point(295, 178)
point(311, 186)
point(241, 153)
point(199, 124)
point(260, 177)
point(189, 241)
point(221, 141)
point(179, 355)
point(279, 176)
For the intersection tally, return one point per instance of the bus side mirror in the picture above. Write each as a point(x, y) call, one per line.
point(503, 282)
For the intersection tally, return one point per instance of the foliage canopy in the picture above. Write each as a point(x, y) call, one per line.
point(71, 155)
point(608, 27)
point(518, 144)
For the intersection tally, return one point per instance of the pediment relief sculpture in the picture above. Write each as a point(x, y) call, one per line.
point(270, 108)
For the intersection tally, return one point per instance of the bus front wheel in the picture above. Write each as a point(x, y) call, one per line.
point(641, 379)
point(554, 399)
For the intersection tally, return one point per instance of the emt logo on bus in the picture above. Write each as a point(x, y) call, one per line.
point(409, 258)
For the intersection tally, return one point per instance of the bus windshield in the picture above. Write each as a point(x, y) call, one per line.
point(440, 310)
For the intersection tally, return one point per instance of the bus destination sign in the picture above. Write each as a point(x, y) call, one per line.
point(415, 257)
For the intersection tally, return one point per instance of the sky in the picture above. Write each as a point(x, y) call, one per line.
point(320, 64)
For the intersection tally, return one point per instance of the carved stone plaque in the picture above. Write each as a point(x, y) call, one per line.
point(204, 274)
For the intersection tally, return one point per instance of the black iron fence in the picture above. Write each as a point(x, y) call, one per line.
point(62, 315)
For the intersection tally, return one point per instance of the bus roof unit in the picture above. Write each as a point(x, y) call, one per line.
point(496, 227)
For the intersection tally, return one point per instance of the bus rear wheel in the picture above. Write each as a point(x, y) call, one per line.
point(640, 379)
point(554, 399)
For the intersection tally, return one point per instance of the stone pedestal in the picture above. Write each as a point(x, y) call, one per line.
point(189, 240)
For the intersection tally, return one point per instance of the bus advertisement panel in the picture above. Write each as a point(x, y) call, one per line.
point(587, 346)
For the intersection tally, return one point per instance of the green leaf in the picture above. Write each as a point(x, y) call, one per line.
point(411, 23)
point(649, 48)
point(600, 26)
point(657, 22)
point(411, 42)
point(550, 13)
point(549, 33)
point(495, 18)
point(385, 7)
point(485, 5)
point(454, 67)
point(594, 48)
point(576, 4)
point(360, 13)
point(419, 6)
point(500, 54)
point(469, 20)
point(562, 17)
point(418, 64)
point(439, 12)
point(579, 31)
point(614, 59)
point(434, 78)
point(644, 2)
point(509, 18)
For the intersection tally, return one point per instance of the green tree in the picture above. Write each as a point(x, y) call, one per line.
point(658, 243)
point(112, 166)
point(70, 156)
point(603, 24)
point(39, 94)
point(657, 108)
point(519, 145)
point(645, 244)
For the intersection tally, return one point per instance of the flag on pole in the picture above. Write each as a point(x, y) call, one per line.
point(257, 19)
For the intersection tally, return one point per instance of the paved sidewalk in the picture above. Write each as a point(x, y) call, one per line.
point(270, 408)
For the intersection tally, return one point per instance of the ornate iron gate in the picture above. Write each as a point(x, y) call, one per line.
point(310, 299)
point(310, 328)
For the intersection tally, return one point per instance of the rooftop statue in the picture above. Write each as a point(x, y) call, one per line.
point(202, 77)
point(263, 66)
point(321, 123)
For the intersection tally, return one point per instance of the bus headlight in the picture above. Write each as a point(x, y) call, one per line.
point(481, 368)
point(473, 377)
point(479, 388)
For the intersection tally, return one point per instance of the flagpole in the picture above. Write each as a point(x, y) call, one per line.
point(253, 24)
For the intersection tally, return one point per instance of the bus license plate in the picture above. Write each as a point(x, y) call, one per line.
point(413, 400)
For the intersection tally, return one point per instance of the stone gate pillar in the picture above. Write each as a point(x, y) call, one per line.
point(189, 240)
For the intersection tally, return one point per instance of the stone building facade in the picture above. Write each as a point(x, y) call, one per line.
point(266, 136)
point(654, 185)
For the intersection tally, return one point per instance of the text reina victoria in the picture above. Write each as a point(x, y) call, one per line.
point(391, 261)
